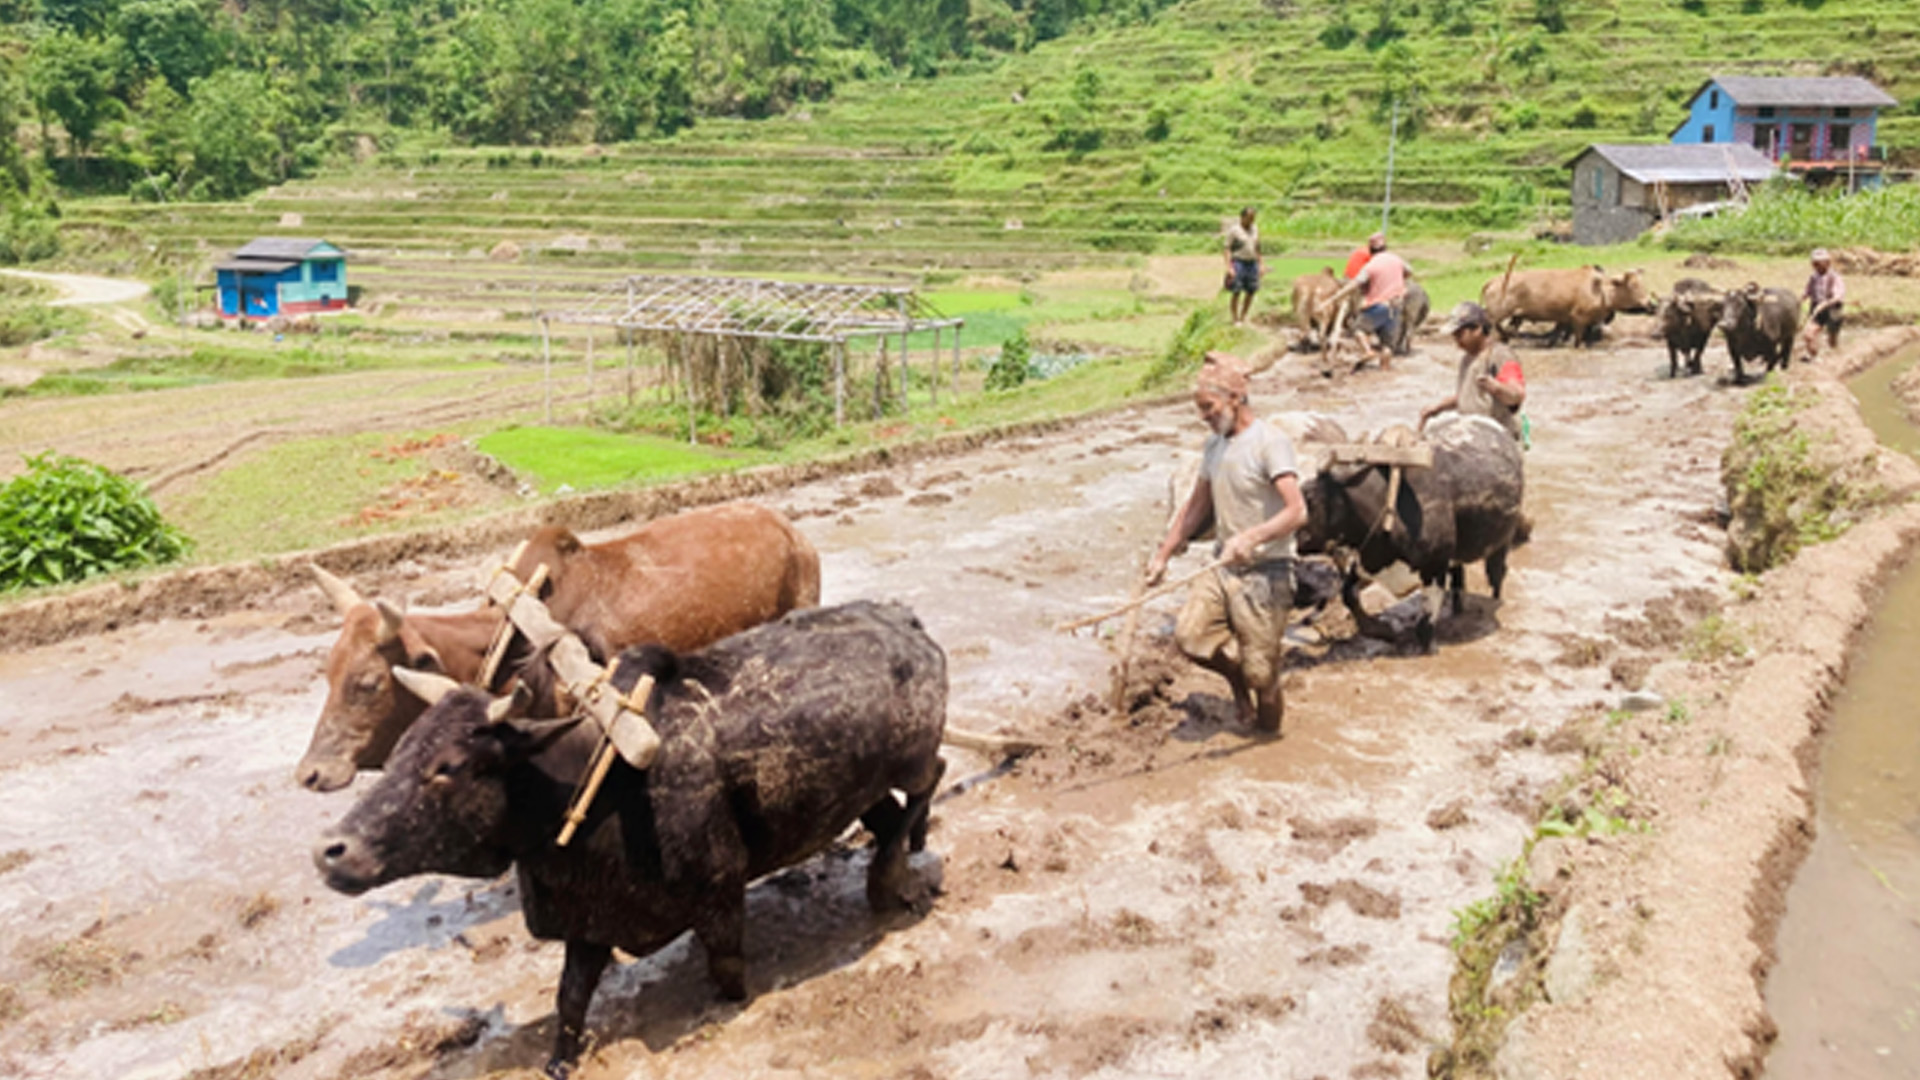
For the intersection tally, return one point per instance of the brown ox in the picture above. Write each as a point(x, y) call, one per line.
point(1310, 308)
point(1575, 301)
point(684, 582)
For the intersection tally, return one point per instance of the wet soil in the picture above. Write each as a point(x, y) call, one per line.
point(1156, 893)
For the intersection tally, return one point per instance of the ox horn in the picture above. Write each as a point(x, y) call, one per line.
point(510, 706)
point(344, 597)
point(391, 619)
point(425, 685)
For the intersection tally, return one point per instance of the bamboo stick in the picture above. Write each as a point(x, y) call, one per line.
point(1151, 594)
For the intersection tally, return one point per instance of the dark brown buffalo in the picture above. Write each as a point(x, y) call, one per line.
point(773, 741)
point(1687, 321)
point(1759, 324)
point(1464, 508)
point(683, 581)
point(1413, 311)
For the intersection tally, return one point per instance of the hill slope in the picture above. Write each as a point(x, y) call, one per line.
point(1130, 139)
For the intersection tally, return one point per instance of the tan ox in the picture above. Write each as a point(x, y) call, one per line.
point(1575, 301)
point(1310, 308)
point(684, 581)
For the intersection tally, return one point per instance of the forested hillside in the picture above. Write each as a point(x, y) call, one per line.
point(1116, 122)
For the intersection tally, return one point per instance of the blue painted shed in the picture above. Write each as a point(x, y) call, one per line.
point(1813, 126)
point(277, 275)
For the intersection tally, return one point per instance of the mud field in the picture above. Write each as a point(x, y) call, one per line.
point(1156, 895)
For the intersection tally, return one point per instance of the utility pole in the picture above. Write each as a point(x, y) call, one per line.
point(1393, 136)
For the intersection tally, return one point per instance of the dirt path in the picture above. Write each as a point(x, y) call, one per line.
point(1160, 896)
point(84, 289)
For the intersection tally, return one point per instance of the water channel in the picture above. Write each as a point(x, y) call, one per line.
point(1846, 990)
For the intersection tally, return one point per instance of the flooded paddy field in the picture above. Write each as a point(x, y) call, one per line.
point(1154, 894)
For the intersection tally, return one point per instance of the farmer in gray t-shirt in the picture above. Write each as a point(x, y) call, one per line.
point(1249, 486)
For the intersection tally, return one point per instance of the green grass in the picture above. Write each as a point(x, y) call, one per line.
point(291, 496)
point(585, 459)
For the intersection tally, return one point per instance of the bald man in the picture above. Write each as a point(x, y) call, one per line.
point(1235, 618)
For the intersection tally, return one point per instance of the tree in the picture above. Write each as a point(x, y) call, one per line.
point(170, 38)
point(231, 131)
point(70, 78)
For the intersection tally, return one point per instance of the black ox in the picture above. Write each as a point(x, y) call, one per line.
point(1759, 325)
point(773, 742)
point(1464, 508)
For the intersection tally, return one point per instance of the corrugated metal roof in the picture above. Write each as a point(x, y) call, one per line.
point(1817, 92)
point(285, 247)
point(256, 265)
point(1685, 163)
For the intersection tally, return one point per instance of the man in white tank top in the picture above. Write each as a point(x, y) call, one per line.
point(1235, 619)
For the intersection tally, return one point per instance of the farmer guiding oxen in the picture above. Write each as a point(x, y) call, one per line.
point(1384, 281)
point(1249, 486)
point(1490, 382)
point(1825, 295)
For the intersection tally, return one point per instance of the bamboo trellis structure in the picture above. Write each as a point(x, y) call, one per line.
point(701, 315)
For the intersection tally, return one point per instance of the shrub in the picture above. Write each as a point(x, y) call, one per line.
point(66, 519)
point(1203, 331)
point(1010, 368)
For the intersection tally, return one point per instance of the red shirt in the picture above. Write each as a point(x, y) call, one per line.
point(1357, 261)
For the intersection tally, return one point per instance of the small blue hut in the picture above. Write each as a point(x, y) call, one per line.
point(277, 275)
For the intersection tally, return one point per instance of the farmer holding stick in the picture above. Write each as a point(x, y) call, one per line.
point(1235, 618)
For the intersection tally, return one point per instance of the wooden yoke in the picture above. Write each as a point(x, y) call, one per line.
point(1396, 456)
point(503, 591)
point(622, 720)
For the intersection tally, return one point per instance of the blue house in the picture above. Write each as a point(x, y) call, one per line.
point(1822, 129)
point(282, 276)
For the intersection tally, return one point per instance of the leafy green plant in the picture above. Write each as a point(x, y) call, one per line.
point(1010, 368)
point(1203, 331)
point(66, 519)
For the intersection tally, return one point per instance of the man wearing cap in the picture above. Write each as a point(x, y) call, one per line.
point(1384, 279)
point(1244, 265)
point(1490, 382)
point(1357, 261)
point(1249, 486)
point(1824, 295)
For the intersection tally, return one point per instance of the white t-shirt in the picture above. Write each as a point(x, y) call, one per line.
point(1241, 469)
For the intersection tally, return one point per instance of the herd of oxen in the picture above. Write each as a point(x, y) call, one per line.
point(779, 723)
point(1758, 323)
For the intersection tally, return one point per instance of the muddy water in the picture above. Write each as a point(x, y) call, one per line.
point(1846, 992)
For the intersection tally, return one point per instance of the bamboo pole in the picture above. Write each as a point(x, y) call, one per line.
point(839, 383)
point(1151, 594)
point(546, 371)
point(935, 384)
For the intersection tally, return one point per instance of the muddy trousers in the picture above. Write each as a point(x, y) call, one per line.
point(1235, 623)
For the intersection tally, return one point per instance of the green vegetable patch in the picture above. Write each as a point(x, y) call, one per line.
point(583, 459)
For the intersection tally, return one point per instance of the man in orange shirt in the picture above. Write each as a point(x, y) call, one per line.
point(1358, 260)
point(1384, 277)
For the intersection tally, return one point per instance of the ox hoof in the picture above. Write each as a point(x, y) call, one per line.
point(558, 1069)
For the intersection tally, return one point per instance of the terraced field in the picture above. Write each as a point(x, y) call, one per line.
point(1214, 104)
